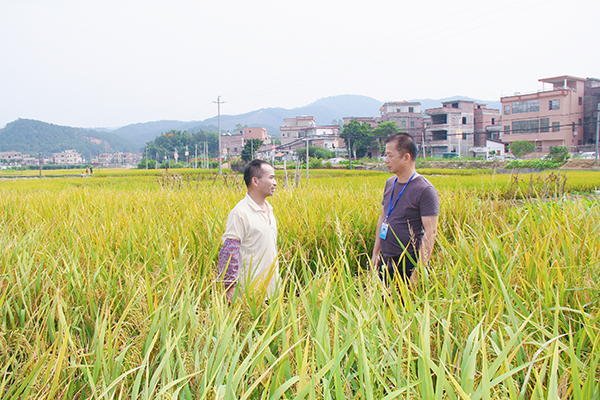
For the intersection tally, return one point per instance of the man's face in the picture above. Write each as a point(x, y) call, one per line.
point(267, 182)
point(395, 161)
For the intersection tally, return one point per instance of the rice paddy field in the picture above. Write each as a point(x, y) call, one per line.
point(108, 291)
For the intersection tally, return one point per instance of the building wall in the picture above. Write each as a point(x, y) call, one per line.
point(591, 99)
point(10, 155)
point(407, 115)
point(548, 118)
point(296, 128)
point(67, 157)
point(255, 133)
point(373, 122)
point(483, 119)
point(233, 144)
point(455, 134)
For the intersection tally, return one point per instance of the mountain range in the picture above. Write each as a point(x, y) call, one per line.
point(35, 136)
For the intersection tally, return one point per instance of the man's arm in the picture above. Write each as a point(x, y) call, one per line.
point(228, 267)
point(427, 242)
point(377, 245)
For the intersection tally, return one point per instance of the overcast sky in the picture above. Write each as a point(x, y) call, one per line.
point(109, 63)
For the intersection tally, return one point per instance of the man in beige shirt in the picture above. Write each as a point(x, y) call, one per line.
point(249, 253)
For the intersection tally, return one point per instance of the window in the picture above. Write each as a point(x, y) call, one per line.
point(545, 125)
point(412, 124)
point(464, 120)
point(580, 122)
point(556, 127)
point(493, 121)
point(464, 136)
point(525, 106)
point(554, 104)
point(454, 105)
point(439, 119)
point(412, 109)
point(580, 100)
point(402, 123)
point(235, 149)
point(506, 110)
point(573, 126)
point(527, 126)
point(439, 135)
point(507, 129)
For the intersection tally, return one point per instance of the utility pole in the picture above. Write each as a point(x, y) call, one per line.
point(597, 132)
point(196, 157)
point(146, 155)
point(350, 151)
point(307, 159)
point(40, 162)
point(219, 102)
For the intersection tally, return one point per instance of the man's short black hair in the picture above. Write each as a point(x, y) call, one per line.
point(405, 143)
point(253, 169)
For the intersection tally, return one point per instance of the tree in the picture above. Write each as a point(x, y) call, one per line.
point(521, 147)
point(151, 164)
point(559, 153)
point(165, 144)
point(250, 149)
point(240, 127)
point(358, 136)
point(385, 129)
point(314, 152)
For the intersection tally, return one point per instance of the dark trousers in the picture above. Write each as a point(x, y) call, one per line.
point(389, 267)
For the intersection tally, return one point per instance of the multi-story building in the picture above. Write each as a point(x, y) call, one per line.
point(373, 122)
point(591, 100)
point(486, 124)
point(232, 143)
point(451, 129)
point(29, 160)
point(11, 156)
point(118, 160)
point(67, 157)
point(256, 132)
point(547, 118)
point(407, 115)
point(296, 131)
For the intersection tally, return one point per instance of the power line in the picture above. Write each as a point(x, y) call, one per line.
point(367, 60)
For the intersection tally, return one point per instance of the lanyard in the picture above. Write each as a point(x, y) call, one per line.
point(390, 206)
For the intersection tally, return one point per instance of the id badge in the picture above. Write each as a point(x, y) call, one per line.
point(384, 229)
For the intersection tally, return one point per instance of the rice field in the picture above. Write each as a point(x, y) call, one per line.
point(108, 291)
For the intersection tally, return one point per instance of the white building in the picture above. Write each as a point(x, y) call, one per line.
point(67, 157)
point(296, 130)
point(491, 150)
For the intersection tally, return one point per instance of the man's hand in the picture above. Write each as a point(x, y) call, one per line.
point(229, 293)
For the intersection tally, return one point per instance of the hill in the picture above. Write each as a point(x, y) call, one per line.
point(325, 110)
point(31, 136)
point(34, 136)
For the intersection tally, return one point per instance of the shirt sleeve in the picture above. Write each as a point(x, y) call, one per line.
point(235, 228)
point(229, 262)
point(430, 203)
